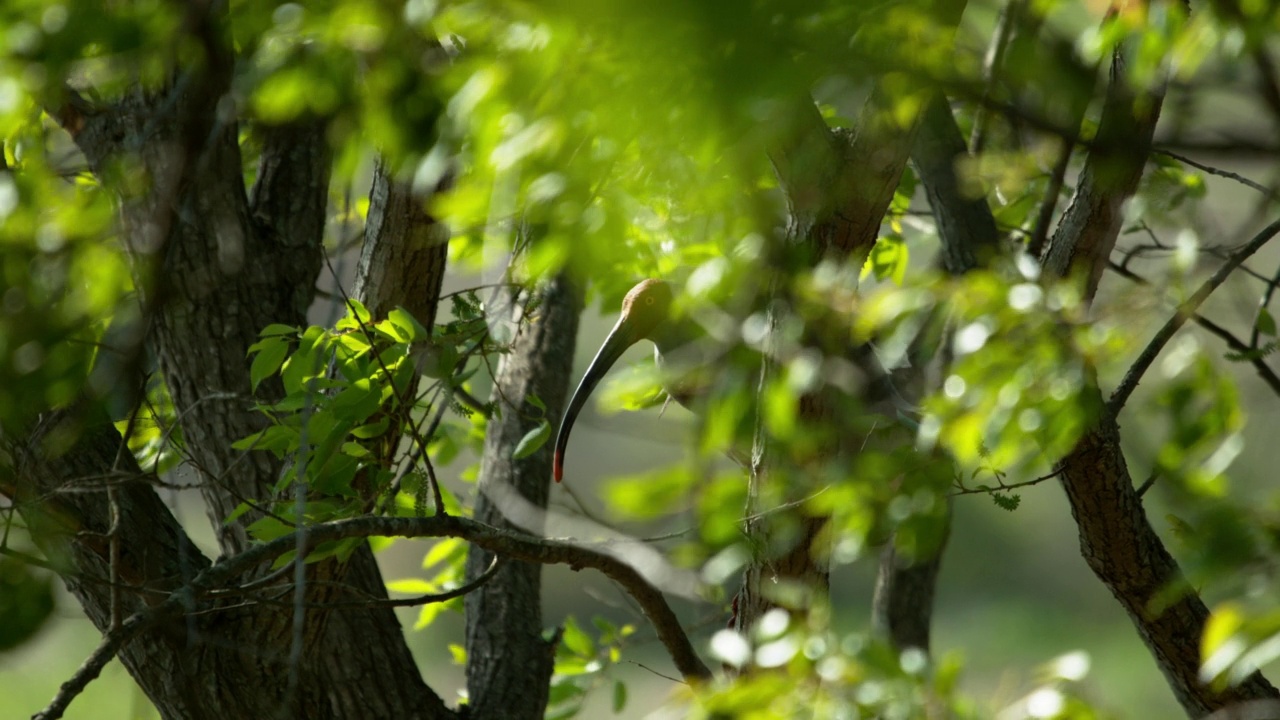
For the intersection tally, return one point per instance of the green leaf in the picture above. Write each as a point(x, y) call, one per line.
point(576, 640)
point(888, 259)
point(270, 356)
point(392, 331)
point(413, 330)
point(355, 450)
point(307, 361)
point(277, 329)
point(336, 475)
point(372, 430)
point(357, 316)
point(1006, 501)
point(533, 440)
point(619, 696)
point(239, 510)
point(268, 528)
point(459, 654)
point(650, 495)
point(1265, 323)
point(277, 438)
point(359, 400)
point(428, 614)
point(441, 551)
point(1218, 645)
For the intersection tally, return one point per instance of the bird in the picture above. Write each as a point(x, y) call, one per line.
point(686, 362)
point(646, 315)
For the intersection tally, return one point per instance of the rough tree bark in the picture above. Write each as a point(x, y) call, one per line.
point(217, 263)
point(1116, 538)
point(220, 263)
point(509, 662)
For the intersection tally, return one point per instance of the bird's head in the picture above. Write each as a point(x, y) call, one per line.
point(645, 308)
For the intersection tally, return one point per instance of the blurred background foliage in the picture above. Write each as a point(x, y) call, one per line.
point(635, 139)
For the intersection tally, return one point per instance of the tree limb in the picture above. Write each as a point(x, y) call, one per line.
point(92, 666)
point(1088, 230)
point(1184, 312)
point(509, 662)
point(1236, 344)
point(1116, 538)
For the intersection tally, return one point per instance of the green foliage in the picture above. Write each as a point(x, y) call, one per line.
point(446, 564)
point(1021, 359)
point(1202, 408)
point(1264, 325)
point(1238, 641)
point(343, 388)
point(583, 663)
point(532, 440)
point(801, 669)
point(153, 433)
point(888, 259)
point(635, 138)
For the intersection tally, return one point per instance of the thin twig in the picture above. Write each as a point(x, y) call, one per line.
point(1040, 234)
point(1263, 303)
point(110, 646)
point(1184, 312)
point(642, 666)
point(1008, 25)
point(1264, 371)
point(482, 286)
point(1001, 486)
point(1146, 485)
point(1219, 172)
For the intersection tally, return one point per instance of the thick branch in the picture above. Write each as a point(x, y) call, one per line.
point(1116, 539)
point(966, 227)
point(1089, 228)
point(291, 192)
point(608, 558)
point(403, 258)
point(1120, 546)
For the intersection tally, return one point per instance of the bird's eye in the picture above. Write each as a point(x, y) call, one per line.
point(648, 301)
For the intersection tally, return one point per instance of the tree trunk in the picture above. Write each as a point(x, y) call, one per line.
point(217, 264)
point(1116, 539)
point(509, 661)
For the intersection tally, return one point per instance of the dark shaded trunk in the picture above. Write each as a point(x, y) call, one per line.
point(217, 264)
point(509, 657)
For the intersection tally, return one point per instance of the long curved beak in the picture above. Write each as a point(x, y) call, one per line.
point(623, 336)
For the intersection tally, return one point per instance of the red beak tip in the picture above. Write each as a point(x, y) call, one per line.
point(557, 467)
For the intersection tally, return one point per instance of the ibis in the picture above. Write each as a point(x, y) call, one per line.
point(680, 357)
point(646, 315)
